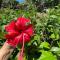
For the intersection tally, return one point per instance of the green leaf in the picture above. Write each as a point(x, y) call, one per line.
point(53, 16)
point(46, 55)
point(37, 38)
point(52, 36)
point(57, 36)
point(45, 45)
point(56, 50)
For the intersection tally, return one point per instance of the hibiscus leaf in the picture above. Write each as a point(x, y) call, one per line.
point(46, 55)
point(44, 45)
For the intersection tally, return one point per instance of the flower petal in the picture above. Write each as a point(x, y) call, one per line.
point(30, 30)
point(10, 27)
point(12, 34)
point(12, 42)
point(26, 37)
point(20, 38)
point(22, 22)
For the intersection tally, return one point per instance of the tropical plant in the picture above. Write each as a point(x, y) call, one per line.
point(45, 44)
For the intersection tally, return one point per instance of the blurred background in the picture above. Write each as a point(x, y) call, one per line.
point(45, 17)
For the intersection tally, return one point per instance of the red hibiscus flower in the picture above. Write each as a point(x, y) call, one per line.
point(19, 31)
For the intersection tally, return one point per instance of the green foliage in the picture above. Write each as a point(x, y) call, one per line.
point(45, 44)
point(46, 55)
